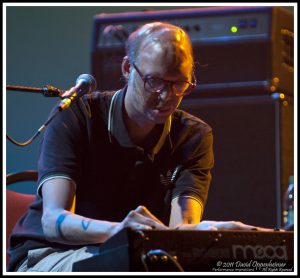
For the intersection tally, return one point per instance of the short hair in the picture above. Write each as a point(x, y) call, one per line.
point(154, 30)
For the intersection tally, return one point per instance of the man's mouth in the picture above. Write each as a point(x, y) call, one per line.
point(163, 109)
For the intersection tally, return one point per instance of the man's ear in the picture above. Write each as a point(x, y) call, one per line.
point(126, 67)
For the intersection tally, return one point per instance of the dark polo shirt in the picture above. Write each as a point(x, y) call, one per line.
point(89, 144)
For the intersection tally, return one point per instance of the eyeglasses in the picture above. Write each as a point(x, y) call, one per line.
point(154, 84)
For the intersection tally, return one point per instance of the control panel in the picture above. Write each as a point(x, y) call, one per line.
point(205, 29)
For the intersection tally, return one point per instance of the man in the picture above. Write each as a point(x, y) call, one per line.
point(130, 158)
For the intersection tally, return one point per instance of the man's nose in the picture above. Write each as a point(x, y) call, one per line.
point(167, 92)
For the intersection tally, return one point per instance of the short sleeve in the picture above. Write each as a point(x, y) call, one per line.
point(195, 176)
point(61, 149)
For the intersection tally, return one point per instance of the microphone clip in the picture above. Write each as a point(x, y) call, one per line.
point(50, 91)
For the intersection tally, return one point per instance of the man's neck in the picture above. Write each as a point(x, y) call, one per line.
point(138, 129)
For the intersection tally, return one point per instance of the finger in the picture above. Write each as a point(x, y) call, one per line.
point(138, 226)
point(231, 225)
point(206, 225)
point(216, 225)
point(207, 222)
point(145, 212)
point(186, 227)
point(138, 218)
point(212, 228)
point(234, 225)
point(261, 229)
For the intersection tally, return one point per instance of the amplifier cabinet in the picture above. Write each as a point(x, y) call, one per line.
point(233, 46)
point(254, 156)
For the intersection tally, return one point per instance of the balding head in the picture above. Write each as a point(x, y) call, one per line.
point(166, 38)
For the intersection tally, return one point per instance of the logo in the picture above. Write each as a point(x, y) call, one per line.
point(259, 252)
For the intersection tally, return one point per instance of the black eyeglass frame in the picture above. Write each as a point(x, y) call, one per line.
point(147, 77)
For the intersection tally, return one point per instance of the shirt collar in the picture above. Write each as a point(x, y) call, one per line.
point(117, 128)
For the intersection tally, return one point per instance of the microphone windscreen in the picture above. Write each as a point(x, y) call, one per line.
point(89, 80)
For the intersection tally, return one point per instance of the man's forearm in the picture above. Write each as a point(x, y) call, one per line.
point(185, 210)
point(65, 227)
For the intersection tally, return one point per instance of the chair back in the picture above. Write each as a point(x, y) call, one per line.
point(17, 203)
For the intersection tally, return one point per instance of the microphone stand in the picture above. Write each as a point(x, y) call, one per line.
point(48, 91)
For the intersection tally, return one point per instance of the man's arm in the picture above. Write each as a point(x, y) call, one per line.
point(61, 225)
point(185, 210)
point(186, 214)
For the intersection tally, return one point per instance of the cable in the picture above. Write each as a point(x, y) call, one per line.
point(26, 143)
point(143, 259)
point(47, 91)
point(159, 256)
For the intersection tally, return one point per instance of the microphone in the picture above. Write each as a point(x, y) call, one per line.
point(85, 84)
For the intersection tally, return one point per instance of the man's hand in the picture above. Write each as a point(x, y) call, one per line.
point(222, 225)
point(140, 218)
